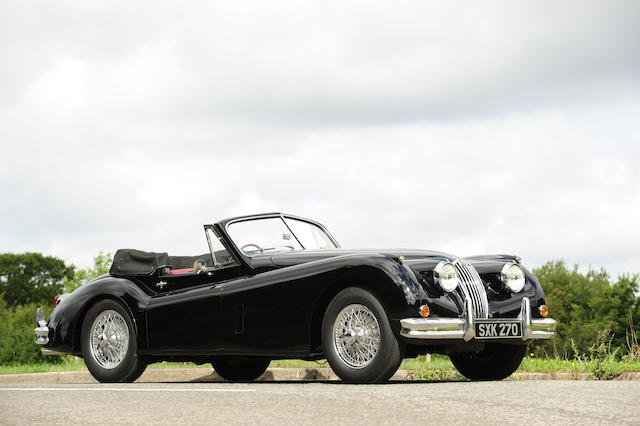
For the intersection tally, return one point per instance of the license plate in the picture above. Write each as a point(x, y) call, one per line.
point(498, 329)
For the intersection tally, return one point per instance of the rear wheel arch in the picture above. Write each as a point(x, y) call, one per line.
point(77, 330)
point(109, 343)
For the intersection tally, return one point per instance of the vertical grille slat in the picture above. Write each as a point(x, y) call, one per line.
point(471, 286)
point(467, 283)
point(466, 280)
point(481, 290)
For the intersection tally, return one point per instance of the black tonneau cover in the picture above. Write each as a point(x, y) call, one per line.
point(138, 262)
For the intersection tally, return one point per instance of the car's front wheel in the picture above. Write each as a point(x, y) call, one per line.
point(357, 338)
point(495, 362)
point(109, 345)
point(240, 369)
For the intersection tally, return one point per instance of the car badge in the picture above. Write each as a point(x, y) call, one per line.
point(161, 284)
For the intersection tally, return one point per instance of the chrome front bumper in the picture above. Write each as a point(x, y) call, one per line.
point(464, 328)
point(42, 331)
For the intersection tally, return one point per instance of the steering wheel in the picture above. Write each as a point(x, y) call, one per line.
point(251, 245)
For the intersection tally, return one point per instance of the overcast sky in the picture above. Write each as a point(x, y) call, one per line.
point(466, 127)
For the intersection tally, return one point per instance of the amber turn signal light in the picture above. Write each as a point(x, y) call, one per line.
point(544, 311)
point(424, 311)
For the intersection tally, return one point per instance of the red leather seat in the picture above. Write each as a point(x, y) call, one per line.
point(179, 271)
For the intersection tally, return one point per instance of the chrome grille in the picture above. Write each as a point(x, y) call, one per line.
point(471, 286)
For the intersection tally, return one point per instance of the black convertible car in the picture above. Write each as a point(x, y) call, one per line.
point(277, 286)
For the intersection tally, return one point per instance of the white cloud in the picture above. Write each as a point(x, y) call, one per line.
point(506, 127)
point(64, 87)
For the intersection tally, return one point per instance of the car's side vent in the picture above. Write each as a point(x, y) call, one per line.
point(472, 287)
point(239, 319)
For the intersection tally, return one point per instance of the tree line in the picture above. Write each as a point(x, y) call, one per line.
point(585, 304)
point(29, 281)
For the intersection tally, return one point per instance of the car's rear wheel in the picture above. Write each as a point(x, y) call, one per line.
point(240, 369)
point(140, 369)
point(495, 362)
point(109, 347)
point(357, 338)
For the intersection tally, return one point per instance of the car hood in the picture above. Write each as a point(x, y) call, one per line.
point(304, 256)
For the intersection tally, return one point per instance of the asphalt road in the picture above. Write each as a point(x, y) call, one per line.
point(414, 403)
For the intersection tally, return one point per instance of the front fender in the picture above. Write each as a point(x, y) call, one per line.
point(394, 283)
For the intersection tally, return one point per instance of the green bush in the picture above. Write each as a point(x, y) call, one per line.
point(17, 345)
point(31, 277)
point(585, 305)
point(601, 358)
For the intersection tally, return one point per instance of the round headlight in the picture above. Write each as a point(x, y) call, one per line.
point(512, 277)
point(446, 276)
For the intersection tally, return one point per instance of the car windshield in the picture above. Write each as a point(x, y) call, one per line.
point(257, 236)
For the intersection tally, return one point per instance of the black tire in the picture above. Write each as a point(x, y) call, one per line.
point(495, 362)
point(142, 366)
point(388, 356)
point(131, 366)
point(240, 369)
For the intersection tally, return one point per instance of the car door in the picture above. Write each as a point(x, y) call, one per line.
point(185, 321)
point(270, 313)
point(189, 318)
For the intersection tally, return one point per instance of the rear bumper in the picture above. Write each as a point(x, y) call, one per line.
point(42, 331)
point(42, 334)
point(464, 329)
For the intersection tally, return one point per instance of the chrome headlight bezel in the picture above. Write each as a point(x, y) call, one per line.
point(446, 276)
point(511, 278)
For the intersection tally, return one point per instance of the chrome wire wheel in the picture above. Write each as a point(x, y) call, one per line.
point(109, 339)
point(356, 335)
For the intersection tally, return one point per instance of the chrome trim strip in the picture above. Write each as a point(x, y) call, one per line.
point(434, 324)
point(464, 328)
point(525, 312)
point(469, 332)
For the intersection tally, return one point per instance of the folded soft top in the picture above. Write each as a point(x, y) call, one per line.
point(138, 262)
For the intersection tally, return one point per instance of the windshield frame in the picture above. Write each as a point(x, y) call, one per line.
point(226, 223)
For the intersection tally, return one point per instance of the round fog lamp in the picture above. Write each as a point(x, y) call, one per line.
point(512, 277)
point(446, 276)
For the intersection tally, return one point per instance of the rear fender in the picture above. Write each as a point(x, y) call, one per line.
point(67, 319)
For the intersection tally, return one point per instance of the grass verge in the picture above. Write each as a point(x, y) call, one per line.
point(438, 367)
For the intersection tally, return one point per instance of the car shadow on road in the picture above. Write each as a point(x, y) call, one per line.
point(317, 375)
point(325, 382)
